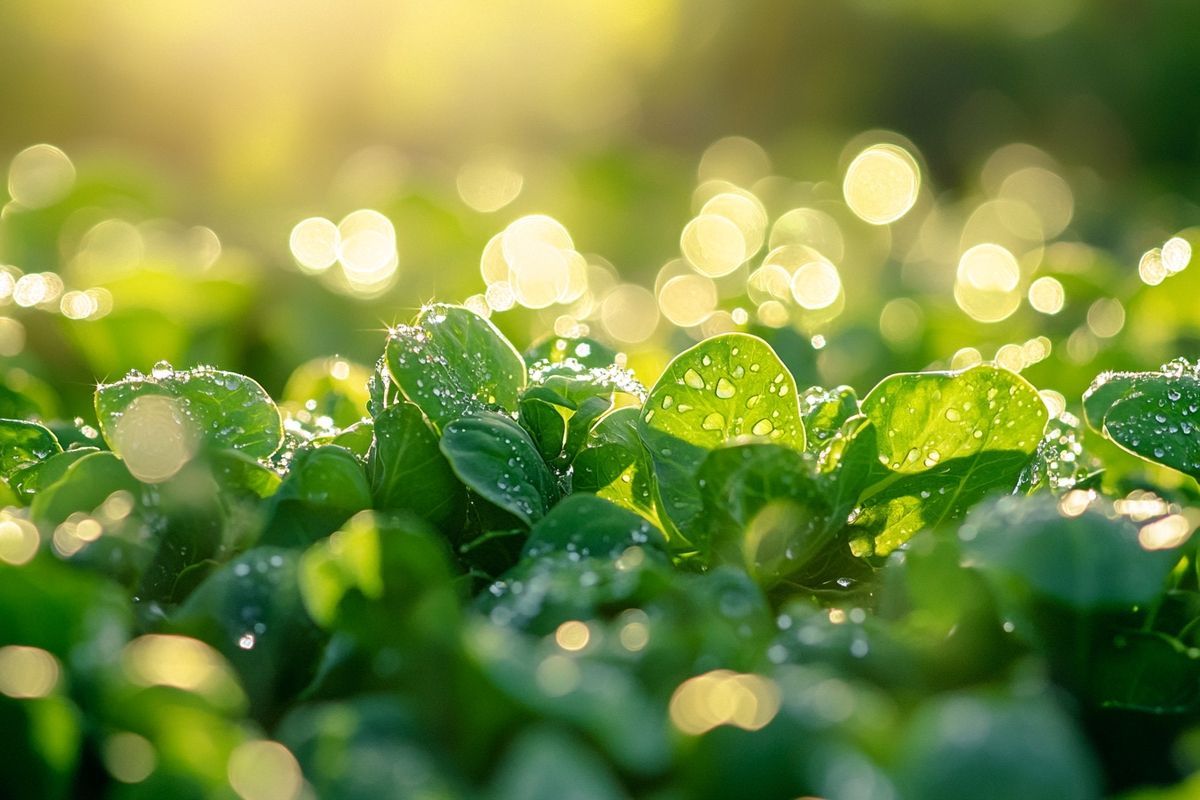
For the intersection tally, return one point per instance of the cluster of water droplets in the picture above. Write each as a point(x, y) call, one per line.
point(610, 378)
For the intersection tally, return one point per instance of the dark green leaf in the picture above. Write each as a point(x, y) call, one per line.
point(451, 361)
point(615, 466)
point(589, 526)
point(1151, 414)
point(250, 611)
point(1086, 560)
point(408, 472)
point(495, 458)
point(324, 487)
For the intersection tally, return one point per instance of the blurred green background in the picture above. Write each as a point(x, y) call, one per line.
point(187, 141)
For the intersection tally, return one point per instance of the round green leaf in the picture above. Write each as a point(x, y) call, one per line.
point(224, 408)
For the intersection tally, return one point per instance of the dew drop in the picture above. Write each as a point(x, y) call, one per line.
point(725, 389)
point(693, 379)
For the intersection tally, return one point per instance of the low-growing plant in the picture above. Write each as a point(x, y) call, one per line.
point(529, 576)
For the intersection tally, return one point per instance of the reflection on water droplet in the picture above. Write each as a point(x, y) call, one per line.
point(693, 379)
point(725, 389)
point(667, 401)
point(713, 422)
point(762, 427)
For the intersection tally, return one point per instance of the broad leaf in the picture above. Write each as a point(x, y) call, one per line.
point(450, 362)
point(725, 387)
point(409, 473)
point(1155, 415)
point(945, 441)
point(24, 444)
point(250, 611)
point(615, 466)
point(589, 526)
point(225, 409)
point(495, 458)
point(764, 509)
point(1086, 560)
point(324, 487)
point(1000, 748)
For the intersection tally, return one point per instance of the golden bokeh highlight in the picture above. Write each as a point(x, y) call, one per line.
point(986, 282)
point(724, 697)
point(572, 635)
point(882, 183)
point(1046, 295)
point(688, 300)
point(27, 673)
point(629, 313)
point(155, 437)
point(19, 539)
point(265, 770)
point(713, 244)
point(1106, 317)
point(40, 176)
point(314, 244)
point(128, 757)
point(1166, 533)
point(489, 182)
point(816, 285)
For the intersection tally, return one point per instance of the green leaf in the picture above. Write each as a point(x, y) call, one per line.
point(728, 386)
point(945, 441)
point(225, 409)
point(408, 471)
point(1147, 672)
point(31, 480)
point(385, 578)
point(495, 458)
point(341, 747)
point(24, 444)
point(615, 466)
point(1089, 560)
point(589, 526)
point(450, 362)
point(546, 764)
point(763, 509)
point(324, 487)
point(998, 747)
point(1155, 415)
point(251, 612)
point(543, 413)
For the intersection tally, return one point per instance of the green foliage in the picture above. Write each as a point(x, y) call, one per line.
point(945, 441)
point(523, 581)
point(1151, 414)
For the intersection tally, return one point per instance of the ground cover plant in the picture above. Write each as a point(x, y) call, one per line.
point(480, 572)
